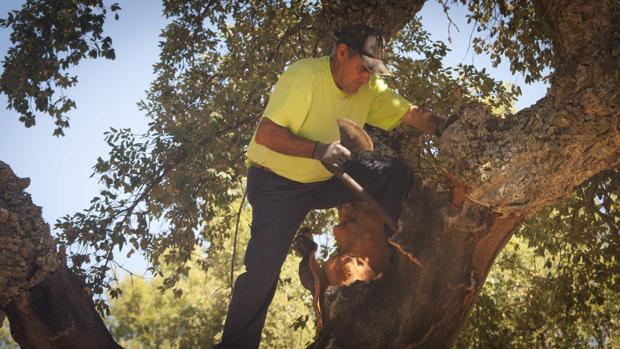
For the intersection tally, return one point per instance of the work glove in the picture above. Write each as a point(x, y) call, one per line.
point(332, 154)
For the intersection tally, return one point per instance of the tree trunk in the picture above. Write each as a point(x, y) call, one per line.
point(512, 168)
point(45, 303)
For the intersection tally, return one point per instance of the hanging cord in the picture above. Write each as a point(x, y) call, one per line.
point(234, 253)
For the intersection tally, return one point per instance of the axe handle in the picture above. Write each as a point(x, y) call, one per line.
point(358, 190)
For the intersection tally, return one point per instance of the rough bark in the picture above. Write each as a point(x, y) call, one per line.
point(46, 305)
point(512, 168)
point(540, 154)
point(413, 307)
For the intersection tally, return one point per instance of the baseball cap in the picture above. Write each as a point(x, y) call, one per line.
point(368, 42)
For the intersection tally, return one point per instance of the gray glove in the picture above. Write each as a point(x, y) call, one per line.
point(331, 154)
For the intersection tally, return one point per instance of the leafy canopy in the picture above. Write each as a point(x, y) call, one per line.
point(193, 316)
point(49, 38)
point(217, 65)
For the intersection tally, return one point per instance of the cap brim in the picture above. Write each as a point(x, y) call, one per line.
point(376, 66)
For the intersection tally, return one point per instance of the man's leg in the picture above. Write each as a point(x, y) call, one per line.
point(387, 180)
point(278, 208)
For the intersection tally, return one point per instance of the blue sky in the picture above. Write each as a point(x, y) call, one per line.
point(107, 93)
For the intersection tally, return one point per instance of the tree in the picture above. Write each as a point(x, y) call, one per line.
point(193, 318)
point(53, 37)
point(553, 284)
point(46, 305)
point(5, 339)
point(217, 64)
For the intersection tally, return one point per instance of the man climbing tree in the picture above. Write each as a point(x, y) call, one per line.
point(296, 137)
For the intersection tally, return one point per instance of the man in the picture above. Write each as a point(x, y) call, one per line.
point(297, 135)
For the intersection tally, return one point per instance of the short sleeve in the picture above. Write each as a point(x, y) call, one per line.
point(290, 100)
point(387, 107)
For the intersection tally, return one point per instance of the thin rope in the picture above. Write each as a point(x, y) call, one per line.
point(234, 253)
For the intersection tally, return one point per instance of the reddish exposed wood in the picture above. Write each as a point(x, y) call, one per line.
point(362, 252)
point(311, 273)
point(491, 244)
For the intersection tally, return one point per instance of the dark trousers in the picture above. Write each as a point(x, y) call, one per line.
point(279, 206)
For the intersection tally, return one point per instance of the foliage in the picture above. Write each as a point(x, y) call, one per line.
point(50, 37)
point(144, 317)
point(511, 29)
point(556, 284)
point(425, 81)
point(218, 62)
point(6, 341)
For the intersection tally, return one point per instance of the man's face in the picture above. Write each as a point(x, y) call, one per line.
point(352, 73)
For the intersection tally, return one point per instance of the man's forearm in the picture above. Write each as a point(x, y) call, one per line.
point(282, 140)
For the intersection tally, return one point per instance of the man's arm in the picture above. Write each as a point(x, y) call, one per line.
point(282, 140)
point(424, 120)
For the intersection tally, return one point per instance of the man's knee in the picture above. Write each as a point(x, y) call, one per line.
point(402, 166)
point(400, 171)
point(267, 259)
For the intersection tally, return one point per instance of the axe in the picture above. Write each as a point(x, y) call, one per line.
point(353, 138)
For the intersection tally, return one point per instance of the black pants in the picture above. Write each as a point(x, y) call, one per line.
point(279, 205)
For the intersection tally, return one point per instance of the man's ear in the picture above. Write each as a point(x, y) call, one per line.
point(341, 52)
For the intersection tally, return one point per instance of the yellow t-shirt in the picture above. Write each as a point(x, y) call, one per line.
point(307, 101)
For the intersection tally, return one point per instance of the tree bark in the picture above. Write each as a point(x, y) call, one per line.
point(46, 305)
point(512, 168)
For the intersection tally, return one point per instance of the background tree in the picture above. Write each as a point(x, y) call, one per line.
point(218, 62)
point(51, 37)
point(5, 339)
point(193, 318)
point(554, 283)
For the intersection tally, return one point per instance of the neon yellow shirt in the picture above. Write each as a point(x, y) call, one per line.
point(307, 101)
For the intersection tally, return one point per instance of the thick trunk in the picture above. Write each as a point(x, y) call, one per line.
point(540, 154)
point(413, 307)
point(46, 305)
point(512, 168)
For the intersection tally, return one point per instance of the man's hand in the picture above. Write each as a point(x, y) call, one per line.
point(331, 154)
point(427, 121)
point(422, 119)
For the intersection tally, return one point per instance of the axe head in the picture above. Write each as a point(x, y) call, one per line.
point(352, 136)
